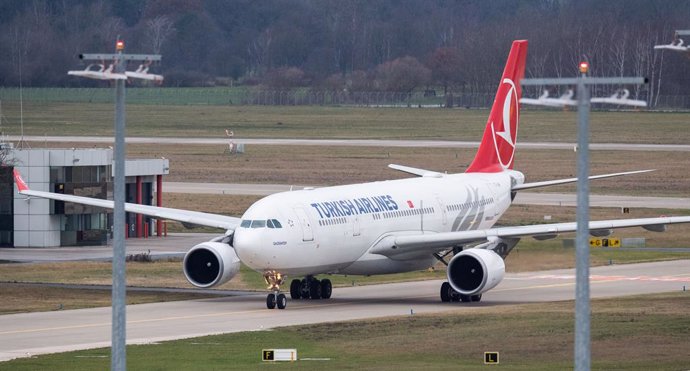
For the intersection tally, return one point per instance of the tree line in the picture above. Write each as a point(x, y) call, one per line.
point(356, 45)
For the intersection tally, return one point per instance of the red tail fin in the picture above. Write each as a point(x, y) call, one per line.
point(497, 148)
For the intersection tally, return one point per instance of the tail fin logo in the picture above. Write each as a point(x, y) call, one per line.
point(504, 141)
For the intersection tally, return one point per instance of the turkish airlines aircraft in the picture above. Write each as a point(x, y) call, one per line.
point(382, 227)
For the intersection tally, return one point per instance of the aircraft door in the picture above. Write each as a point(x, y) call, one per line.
point(303, 219)
point(355, 225)
point(444, 212)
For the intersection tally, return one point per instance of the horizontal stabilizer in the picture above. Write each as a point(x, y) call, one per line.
point(547, 183)
point(416, 171)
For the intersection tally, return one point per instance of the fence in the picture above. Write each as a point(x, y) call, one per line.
point(294, 97)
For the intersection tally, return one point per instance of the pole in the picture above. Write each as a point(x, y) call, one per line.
point(582, 346)
point(159, 202)
point(118, 335)
point(582, 353)
point(118, 355)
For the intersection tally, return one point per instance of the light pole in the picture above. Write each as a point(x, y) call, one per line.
point(116, 71)
point(582, 352)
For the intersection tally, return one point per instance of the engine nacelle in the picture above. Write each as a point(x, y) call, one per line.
point(210, 264)
point(475, 271)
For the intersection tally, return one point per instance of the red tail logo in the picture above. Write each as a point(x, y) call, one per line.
point(497, 149)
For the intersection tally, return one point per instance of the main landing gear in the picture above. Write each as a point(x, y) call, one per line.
point(311, 288)
point(307, 288)
point(448, 294)
point(275, 298)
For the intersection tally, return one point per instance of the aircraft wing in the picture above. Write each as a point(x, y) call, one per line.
point(186, 216)
point(434, 242)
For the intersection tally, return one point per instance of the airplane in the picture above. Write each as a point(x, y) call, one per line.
point(142, 72)
point(100, 72)
point(620, 97)
point(564, 100)
point(383, 227)
point(676, 45)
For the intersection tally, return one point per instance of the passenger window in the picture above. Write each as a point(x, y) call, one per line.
point(276, 223)
point(258, 223)
point(246, 223)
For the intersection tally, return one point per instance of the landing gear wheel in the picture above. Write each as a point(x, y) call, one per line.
point(281, 301)
point(271, 301)
point(476, 298)
point(295, 289)
point(315, 289)
point(465, 298)
point(446, 292)
point(326, 289)
point(304, 289)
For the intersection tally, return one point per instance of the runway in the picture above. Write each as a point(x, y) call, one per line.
point(523, 198)
point(23, 335)
point(353, 143)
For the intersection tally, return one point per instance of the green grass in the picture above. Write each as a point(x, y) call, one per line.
point(633, 333)
point(75, 119)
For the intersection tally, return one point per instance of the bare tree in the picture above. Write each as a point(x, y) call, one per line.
point(619, 46)
point(158, 30)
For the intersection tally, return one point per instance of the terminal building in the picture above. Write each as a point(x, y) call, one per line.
point(37, 222)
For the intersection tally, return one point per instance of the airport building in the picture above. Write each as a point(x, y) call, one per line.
point(37, 222)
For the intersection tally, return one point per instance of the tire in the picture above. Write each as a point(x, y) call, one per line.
point(446, 292)
point(315, 289)
point(281, 301)
point(465, 298)
point(326, 289)
point(476, 298)
point(295, 289)
point(304, 289)
point(271, 301)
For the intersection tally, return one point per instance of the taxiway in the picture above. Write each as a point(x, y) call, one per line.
point(23, 335)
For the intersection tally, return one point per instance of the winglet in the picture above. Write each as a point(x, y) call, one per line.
point(21, 185)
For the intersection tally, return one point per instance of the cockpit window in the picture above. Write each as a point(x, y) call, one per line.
point(270, 223)
point(258, 223)
point(273, 223)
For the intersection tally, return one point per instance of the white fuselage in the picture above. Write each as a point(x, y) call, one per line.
point(331, 230)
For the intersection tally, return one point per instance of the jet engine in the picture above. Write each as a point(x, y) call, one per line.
point(210, 264)
point(475, 271)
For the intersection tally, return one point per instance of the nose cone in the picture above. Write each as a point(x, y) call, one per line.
point(249, 243)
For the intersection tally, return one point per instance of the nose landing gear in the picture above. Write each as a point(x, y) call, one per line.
point(276, 298)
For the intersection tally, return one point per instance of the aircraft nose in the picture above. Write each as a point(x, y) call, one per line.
point(249, 245)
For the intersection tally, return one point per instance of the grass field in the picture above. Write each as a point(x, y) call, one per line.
point(323, 166)
point(324, 122)
point(634, 333)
